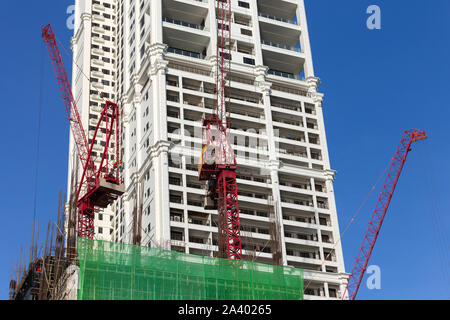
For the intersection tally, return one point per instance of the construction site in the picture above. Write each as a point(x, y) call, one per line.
point(198, 160)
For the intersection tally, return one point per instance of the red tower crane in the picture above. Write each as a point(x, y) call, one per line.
point(218, 163)
point(98, 186)
point(396, 166)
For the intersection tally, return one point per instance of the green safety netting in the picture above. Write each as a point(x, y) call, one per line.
point(117, 271)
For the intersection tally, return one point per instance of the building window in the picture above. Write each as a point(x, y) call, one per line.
point(100, 230)
point(246, 32)
point(244, 4)
point(249, 61)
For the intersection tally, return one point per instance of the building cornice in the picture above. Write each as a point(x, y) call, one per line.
point(158, 148)
point(330, 174)
point(156, 54)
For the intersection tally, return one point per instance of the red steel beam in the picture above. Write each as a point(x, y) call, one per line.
point(229, 227)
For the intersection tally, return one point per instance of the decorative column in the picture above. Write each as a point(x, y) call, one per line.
point(159, 151)
point(304, 39)
point(274, 163)
point(330, 176)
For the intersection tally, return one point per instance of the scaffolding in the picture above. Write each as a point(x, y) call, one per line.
point(117, 271)
point(41, 278)
point(100, 270)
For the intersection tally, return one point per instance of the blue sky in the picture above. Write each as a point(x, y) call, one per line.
point(377, 83)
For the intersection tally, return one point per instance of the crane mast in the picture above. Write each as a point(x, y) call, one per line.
point(98, 186)
point(218, 163)
point(396, 166)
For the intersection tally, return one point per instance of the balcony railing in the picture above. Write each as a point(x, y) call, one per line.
point(254, 213)
point(186, 53)
point(290, 91)
point(184, 24)
point(299, 219)
point(284, 74)
point(303, 254)
point(290, 122)
point(301, 236)
point(176, 218)
point(264, 15)
point(292, 153)
point(322, 205)
point(281, 46)
point(296, 185)
point(195, 203)
point(298, 202)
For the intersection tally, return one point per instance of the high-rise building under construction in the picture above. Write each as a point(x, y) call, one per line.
point(157, 60)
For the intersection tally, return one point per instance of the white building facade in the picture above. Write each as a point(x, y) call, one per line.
point(156, 59)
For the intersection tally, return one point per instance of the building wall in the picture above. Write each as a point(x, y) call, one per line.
point(164, 81)
point(93, 73)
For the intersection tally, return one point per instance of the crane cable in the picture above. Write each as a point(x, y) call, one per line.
point(436, 219)
point(38, 147)
point(38, 134)
point(351, 221)
point(72, 58)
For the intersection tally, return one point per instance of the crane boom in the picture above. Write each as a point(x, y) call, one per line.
point(66, 92)
point(396, 166)
point(98, 187)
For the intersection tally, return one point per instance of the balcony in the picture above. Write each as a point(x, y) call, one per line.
point(303, 254)
point(306, 203)
point(323, 221)
point(252, 195)
point(176, 218)
point(284, 119)
point(301, 236)
point(280, 38)
point(255, 179)
point(304, 186)
point(178, 236)
point(292, 153)
point(200, 221)
point(285, 75)
point(257, 213)
point(268, 16)
point(195, 203)
point(322, 205)
point(294, 218)
point(184, 24)
point(186, 53)
point(176, 199)
point(199, 240)
point(245, 96)
point(281, 46)
point(247, 112)
point(286, 104)
point(317, 292)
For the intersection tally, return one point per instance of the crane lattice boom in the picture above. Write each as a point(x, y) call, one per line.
point(98, 187)
point(218, 163)
point(362, 260)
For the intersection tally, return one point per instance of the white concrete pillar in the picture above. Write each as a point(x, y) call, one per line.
point(304, 39)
